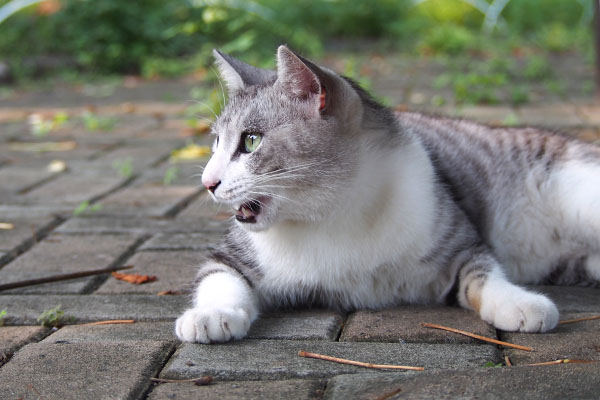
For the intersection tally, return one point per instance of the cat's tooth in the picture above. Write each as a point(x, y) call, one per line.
point(247, 213)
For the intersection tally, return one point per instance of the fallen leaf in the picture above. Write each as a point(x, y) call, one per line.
point(6, 226)
point(41, 147)
point(190, 152)
point(135, 279)
point(57, 166)
point(169, 292)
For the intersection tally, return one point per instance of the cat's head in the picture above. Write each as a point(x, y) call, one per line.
point(287, 143)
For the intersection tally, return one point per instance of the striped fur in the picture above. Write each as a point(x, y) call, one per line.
point(364, 208)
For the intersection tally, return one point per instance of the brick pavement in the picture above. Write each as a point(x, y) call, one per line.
point(133, 216)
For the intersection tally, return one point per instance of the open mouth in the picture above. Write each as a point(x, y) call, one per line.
point(248, 212)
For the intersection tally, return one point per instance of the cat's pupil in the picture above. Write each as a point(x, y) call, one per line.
point(251, 141)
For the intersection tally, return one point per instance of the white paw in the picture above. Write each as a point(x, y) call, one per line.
point(520, 311)
point(212, 325)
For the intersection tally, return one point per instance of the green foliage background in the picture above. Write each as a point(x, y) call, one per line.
point(169, 37)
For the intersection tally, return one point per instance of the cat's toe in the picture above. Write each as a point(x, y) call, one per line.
point(207, 326)
point(527, 312)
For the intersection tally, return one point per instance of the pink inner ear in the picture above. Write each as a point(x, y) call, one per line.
point(323, 99)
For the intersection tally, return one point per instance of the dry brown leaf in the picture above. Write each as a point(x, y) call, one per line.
point(169, 292)
point(135, 279)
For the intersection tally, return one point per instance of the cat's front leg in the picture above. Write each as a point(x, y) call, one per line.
point(484, 288)
point(224, 307)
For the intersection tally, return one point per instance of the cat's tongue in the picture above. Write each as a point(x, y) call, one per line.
point(248, 212)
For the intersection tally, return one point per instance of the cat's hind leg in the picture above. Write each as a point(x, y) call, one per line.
point(224, 307)
point(484, 288)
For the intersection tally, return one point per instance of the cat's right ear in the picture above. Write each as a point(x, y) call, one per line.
point(238, 75)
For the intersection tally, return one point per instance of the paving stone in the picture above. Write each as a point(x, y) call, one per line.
point(139, 331)
point(147, 200)
point(83, 371)
point(550, 115)
point(403, 325)
point(139, 155)
point(175, 173)
point(16, 179)
point(205, 207)
point(140, 225)
point(298, 325)
point(13, 338)
point(574, 381)
point(586, 134)
point(37, 211)
point(289, 389)
point(182, 241)
point(576, 341)
point(25, 232)
point(58, 254)
point(25, 309)
point(275, 359)
point(175, 270)
point(74, 188)
point(493, 115)
point(23, 153)
point(590, 114)
point(572, 299)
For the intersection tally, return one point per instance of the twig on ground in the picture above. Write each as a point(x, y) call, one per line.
point(475, 336)
point(169, 292)
point(109, 322)
point(570, 321)
point(562, 361)
point(62, 277)
point(507, 361)
point(203, 380)
point(306, 354)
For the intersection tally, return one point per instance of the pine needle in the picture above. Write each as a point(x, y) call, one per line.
point(570, 321)
point(306, 354)
point(475, 336)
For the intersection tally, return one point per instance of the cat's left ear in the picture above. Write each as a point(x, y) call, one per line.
point(299, 78)
point(238, 75)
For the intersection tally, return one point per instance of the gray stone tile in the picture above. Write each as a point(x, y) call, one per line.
point(147, 200)
point(58, 254)
point(83, 370)
point(139, 225)
point(275, 359)
point(299, 389)
point(174, 173)
point(175, 270)
point(139, 155)
point(13, 338)
point(182, 241)
point(298, 325)
point(139, 331)
point(576, 341)
point(573, 299)
point(550, 115)
point(25, 309)
point(16, 179)
point(574, 381)
point(403, 324)
point(26, 231)
point(73, 189)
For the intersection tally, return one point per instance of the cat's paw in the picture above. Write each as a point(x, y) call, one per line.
point(520, 311)
point(212, 325)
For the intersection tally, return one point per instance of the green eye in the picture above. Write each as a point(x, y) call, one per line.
point(251, 141)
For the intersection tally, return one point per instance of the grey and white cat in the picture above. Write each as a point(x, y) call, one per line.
point(342, 203)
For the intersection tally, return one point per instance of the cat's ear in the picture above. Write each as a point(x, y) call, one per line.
point(299, 77)
point(238, 75)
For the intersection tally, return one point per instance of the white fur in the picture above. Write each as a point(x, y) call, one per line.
point(385, 219)
point(511, 308)
point(567, 204)
point(224, 307)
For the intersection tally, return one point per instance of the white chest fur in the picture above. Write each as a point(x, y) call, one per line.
point(368, 250)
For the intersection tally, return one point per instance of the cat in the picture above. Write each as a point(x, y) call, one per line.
point(340, 202)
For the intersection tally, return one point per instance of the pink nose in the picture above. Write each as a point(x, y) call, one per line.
point(212, 185)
